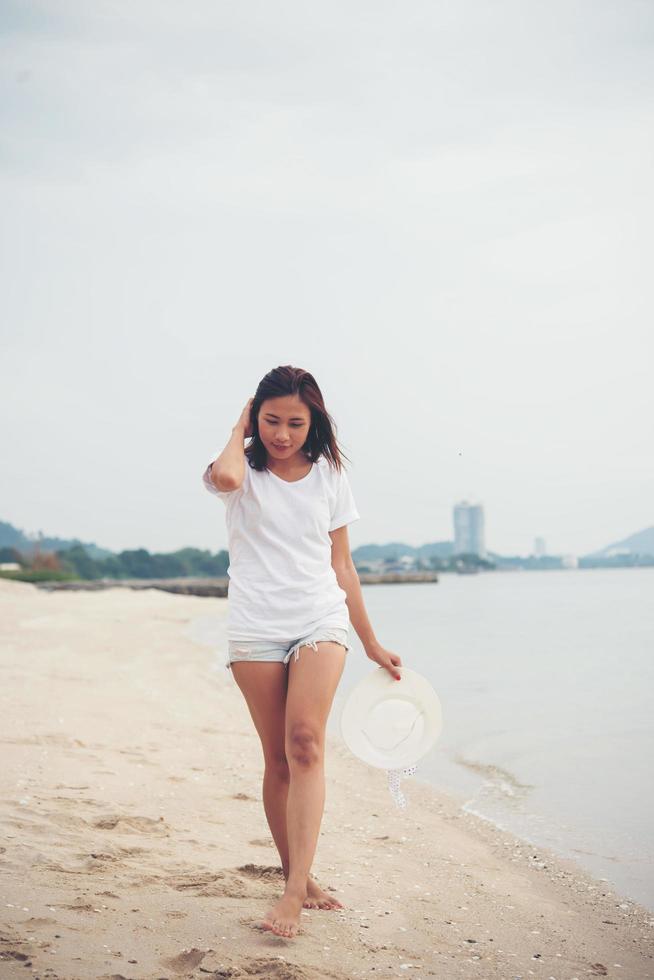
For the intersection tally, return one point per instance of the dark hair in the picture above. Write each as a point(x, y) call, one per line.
point(321, 441)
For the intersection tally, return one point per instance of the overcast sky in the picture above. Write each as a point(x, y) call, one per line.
point(443, 210)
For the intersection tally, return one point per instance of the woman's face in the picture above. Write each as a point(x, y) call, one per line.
point(284, 425)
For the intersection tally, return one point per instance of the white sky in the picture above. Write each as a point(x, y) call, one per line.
point(443, 210)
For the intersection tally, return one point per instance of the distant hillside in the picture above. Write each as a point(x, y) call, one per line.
point(12, 537)
point(641, 543)
point(395, 550)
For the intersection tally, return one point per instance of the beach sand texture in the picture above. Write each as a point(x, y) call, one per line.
point(134, 842)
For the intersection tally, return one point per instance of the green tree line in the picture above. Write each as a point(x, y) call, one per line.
point(75, 563)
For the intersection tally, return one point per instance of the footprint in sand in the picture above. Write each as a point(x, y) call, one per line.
point(72, 802)
point(75, 907)
point(35, 922)
point(269, 968)
point(66, 741)
point(107, 976)
point(13, 955)
point(87, 865)
point(14, 949)
point(138, 757)
point(217, 884)
point(185, 961)
point(60, 811)
point(132, 825)
point(262, 872)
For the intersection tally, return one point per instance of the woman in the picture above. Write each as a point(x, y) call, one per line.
point(293, 589)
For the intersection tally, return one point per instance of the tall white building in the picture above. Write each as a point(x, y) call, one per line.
point(469, 529)
point(539, 547)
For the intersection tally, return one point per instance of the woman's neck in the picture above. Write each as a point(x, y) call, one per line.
point(297, 466)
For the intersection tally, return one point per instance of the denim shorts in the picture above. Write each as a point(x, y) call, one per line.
point(271, 651)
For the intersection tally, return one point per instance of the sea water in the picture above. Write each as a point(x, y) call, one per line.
point(546, 681)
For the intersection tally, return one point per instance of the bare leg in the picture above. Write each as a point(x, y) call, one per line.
point(312, 683)
point(306, 801)
point(275, 795)
point(264, 687)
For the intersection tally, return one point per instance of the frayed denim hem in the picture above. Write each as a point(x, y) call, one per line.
point(312, 643)
point(248, 650)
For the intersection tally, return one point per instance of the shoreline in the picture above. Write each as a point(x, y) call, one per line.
point(136, 843)
point(216, 587)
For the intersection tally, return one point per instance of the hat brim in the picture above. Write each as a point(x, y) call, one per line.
point(379, 695)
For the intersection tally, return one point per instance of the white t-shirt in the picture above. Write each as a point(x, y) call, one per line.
point(281, 581)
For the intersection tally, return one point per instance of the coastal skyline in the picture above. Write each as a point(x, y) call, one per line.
point(636, 548)
point(443, 213)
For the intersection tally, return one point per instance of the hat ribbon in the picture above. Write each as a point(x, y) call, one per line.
point(394, 779)
point(395, 775)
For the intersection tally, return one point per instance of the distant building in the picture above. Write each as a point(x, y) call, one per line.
point(569, 561)
point(469, 529)
point(539, 547)
point(405, 563)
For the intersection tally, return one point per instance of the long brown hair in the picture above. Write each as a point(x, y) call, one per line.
point(321, 441)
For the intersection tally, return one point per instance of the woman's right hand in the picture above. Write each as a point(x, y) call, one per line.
point(245, 421)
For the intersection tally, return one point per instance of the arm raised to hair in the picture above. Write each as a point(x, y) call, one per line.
point(228, 469)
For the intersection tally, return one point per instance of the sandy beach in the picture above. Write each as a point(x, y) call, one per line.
point(134, 842)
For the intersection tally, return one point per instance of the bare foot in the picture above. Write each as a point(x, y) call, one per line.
point(284, 917)
point(318, 898)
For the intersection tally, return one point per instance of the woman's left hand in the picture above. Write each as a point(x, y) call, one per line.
point(385, 658)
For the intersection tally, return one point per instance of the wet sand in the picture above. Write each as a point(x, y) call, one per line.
point(134, 843)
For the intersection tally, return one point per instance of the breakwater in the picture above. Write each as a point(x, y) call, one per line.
point(214, 587)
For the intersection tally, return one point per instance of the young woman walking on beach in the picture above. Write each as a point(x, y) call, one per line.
point(293, 589)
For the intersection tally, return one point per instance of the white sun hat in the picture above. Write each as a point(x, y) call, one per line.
point(392, 724)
